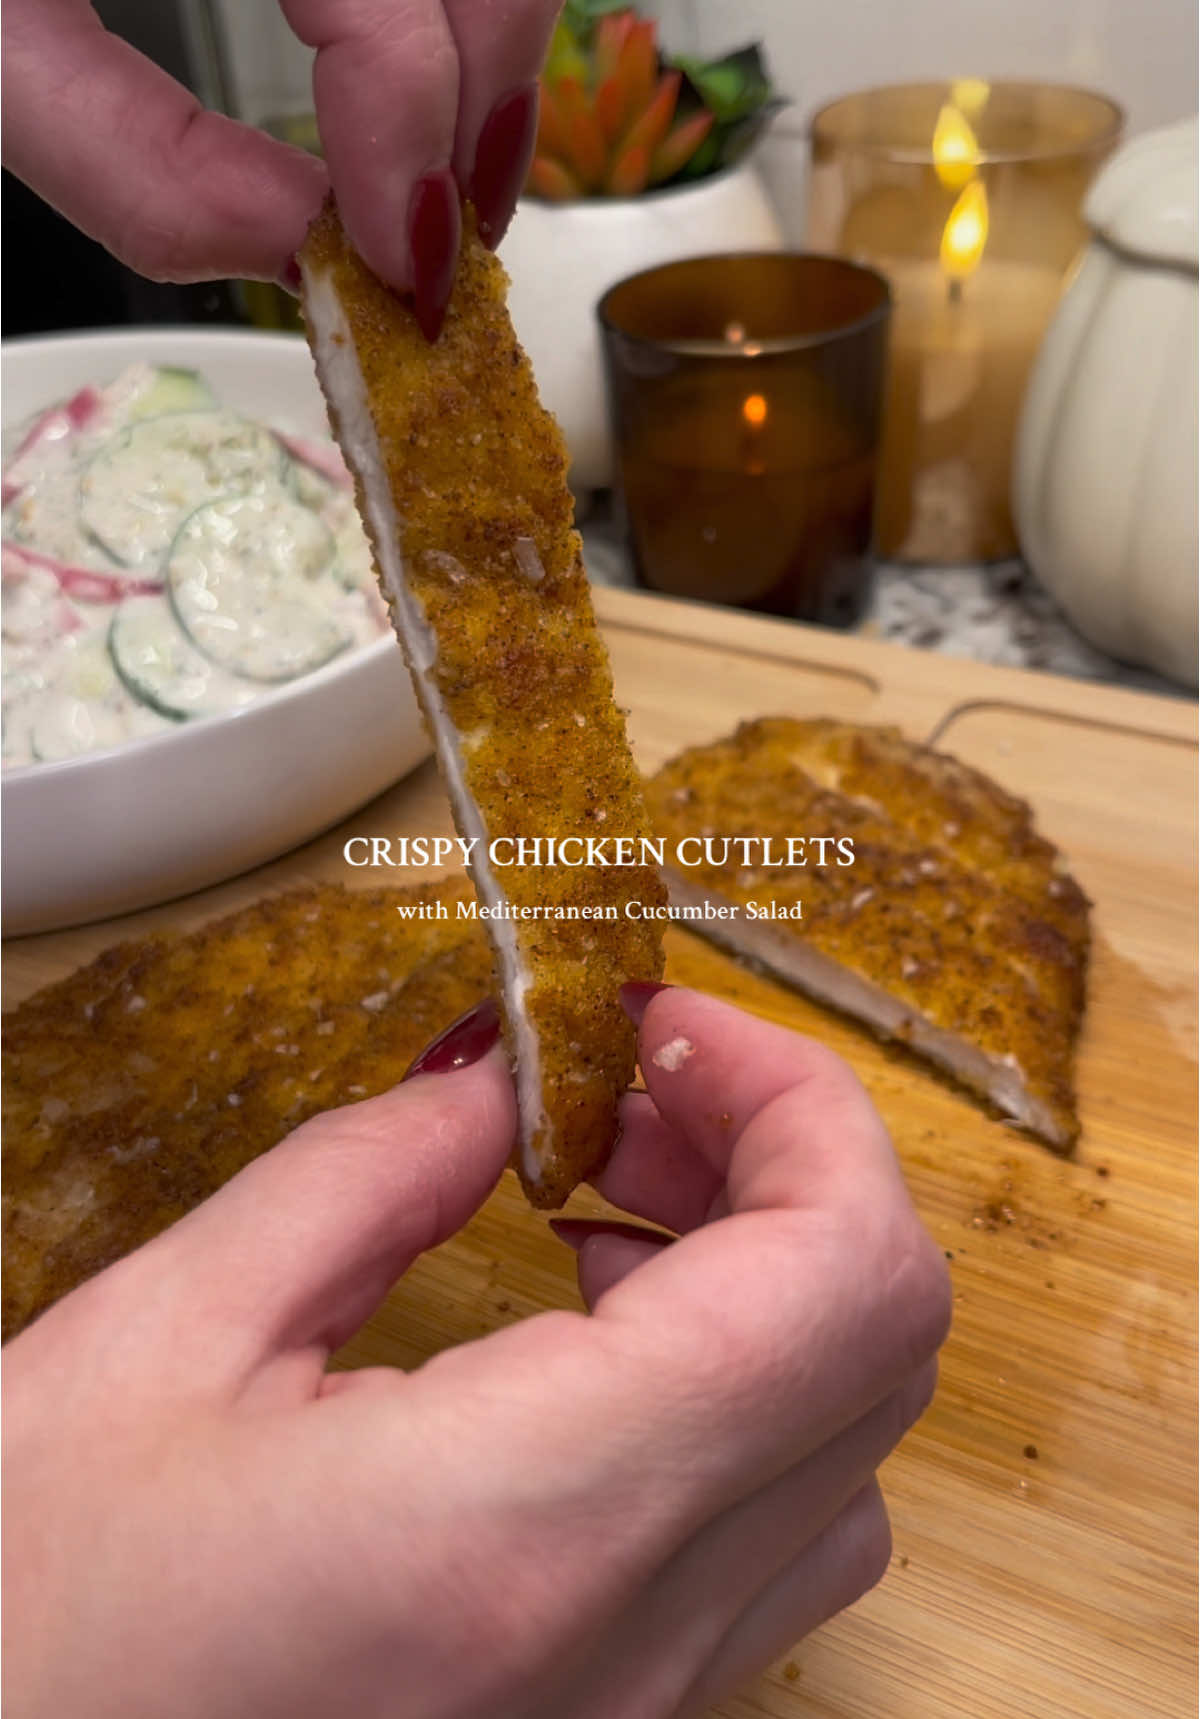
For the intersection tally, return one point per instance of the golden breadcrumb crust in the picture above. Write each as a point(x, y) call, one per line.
point(138, 1085)
point(954, 904)
point(474, 464)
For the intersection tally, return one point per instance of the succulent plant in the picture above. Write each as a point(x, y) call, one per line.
point(617, 117)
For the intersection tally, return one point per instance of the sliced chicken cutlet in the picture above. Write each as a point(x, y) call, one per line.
point(461, 478)
point(137, 1086)
point(956, 930)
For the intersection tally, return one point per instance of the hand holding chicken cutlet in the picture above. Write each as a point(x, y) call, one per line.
point(627, 1512)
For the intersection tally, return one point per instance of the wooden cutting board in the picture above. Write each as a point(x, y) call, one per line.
point(1044, 1509)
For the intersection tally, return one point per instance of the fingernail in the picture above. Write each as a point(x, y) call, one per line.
point(575, 1231)
point(637, 996)
point(434, 230)
point(289, 276)
point(502, 158)
point(466, 1040)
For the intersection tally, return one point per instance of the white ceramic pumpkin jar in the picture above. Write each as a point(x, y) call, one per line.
point(1105, 470)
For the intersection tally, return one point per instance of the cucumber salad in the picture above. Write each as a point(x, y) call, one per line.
point(165, 558)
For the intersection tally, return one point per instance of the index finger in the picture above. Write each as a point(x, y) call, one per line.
point(129, 155)
point(820, 1291)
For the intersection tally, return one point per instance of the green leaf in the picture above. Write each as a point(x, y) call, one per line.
point(580, 16)
point(731, 87)
point(727, 144)
point(565, 57)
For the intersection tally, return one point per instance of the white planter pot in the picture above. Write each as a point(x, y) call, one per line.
point(563, 257)
point(1105, 472)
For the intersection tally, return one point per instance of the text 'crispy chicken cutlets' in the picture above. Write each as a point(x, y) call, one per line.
point(137, 1086)
point(462, 486)
point(956, 930)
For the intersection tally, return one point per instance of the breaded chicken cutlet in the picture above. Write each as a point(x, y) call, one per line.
point(461, 478)
point(956, 930)
point(137, 1086)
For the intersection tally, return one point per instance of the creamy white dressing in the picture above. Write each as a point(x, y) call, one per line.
point(274, 579)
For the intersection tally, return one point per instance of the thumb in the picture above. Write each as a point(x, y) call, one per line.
point(298, 1250)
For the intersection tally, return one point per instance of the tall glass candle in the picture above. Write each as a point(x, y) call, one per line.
point(967, 197)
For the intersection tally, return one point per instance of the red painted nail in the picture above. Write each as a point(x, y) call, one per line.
point(466, 1040)
point(434, 230)
point(575, 1231)
point(637, 996)
point(502, 158)
point(289, 276)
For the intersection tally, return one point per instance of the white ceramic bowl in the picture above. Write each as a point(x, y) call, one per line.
point(137, 824)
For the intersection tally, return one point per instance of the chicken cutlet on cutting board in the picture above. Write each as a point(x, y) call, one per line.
point(135, 1087)
point(956, 930)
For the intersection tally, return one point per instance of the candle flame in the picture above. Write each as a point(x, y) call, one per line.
point(966, 232)
point(735, 333)
point(971, 95)
point(955, 149)
point(754, 410)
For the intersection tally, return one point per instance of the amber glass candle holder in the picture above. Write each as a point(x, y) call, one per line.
point(745, 397)
point(967, 197)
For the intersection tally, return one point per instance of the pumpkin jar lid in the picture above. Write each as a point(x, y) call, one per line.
point(1144, 200)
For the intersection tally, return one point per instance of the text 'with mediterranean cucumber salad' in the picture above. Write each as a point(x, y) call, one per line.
point(165, 558)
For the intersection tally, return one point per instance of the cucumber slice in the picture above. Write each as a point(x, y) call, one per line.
point(160, 667)
point(171, 389)
point(138, 489)
point(45, 517)
point(249, 578)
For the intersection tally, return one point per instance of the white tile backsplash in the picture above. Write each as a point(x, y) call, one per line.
point(1142, 52)
point(270, 69)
